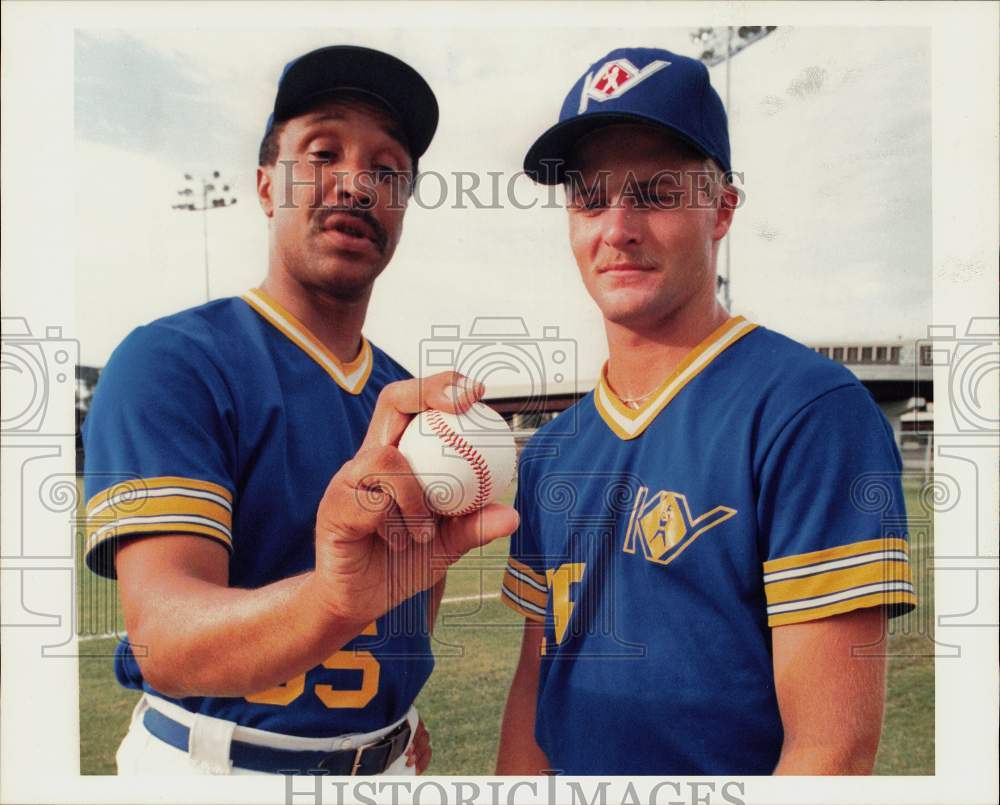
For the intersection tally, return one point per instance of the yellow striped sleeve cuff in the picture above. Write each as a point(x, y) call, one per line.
point(146, 506)
point(819, 584)
point(524, 590)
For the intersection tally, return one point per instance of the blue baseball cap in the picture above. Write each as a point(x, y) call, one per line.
point(635, 85)
point(349, 67)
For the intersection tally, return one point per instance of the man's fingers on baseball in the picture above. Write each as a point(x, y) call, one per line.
point(459, 535)
point(399, 401)
point(386, 470)
point(422, 530)
point(456, 397)
point(397, 541)
point(398, 529)
point(448, 391)
point(348, 511)
point(393, 409)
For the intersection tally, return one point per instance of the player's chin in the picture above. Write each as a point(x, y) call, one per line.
point(367, 259)
point(628, 306)
point(346, 276)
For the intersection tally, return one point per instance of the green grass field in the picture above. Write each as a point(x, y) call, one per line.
point(476, 643)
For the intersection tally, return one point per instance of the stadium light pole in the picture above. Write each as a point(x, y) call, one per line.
point(212, 198)
point(712, 52)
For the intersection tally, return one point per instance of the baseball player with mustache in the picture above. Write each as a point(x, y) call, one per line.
point(705, 590)
point(278, 568)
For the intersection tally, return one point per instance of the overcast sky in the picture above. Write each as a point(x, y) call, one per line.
point(830, 126)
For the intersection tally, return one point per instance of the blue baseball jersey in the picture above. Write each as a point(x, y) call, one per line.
point(759, 486)
point(227, 422)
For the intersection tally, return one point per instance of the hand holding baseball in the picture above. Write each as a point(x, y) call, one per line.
point(377, 542)
point(462, 461)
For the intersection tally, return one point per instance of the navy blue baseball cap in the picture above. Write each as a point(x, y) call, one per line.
point(348, 67)
point(635, 85)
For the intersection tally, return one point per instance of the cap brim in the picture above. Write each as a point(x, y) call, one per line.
point(343, 68)
point(547, 159)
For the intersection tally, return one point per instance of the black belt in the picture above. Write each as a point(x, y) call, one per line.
point(373, 758)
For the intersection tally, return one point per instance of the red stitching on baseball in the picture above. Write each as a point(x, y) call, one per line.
point(470, 454)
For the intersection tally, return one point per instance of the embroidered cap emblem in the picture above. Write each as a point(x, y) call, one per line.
point(614, 79)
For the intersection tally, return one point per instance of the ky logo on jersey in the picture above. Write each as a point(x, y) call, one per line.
point(663, 526)
point(614, 79)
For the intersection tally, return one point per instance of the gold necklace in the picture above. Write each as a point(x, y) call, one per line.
point(636, 402)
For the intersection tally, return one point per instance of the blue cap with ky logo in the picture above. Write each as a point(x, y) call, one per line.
point(635, 85)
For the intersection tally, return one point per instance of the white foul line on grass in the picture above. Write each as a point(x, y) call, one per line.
point(458, 599)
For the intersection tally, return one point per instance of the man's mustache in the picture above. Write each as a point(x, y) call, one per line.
point(323, 214)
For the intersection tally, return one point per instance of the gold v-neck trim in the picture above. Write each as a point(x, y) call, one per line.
point(349, 376)
point(627, 423)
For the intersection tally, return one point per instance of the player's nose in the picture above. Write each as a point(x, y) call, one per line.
point(352, 184)
point(621, 225)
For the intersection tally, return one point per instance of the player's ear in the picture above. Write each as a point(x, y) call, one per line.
point(728, 200)
point(265, 189)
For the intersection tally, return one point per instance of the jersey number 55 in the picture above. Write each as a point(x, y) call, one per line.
point(352, 660)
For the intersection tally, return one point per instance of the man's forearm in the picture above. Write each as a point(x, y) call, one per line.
point(830, 696)
point(857, 757)
point(519, 753)
point(203, 639)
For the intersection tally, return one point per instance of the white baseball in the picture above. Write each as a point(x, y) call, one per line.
point(462, 461)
